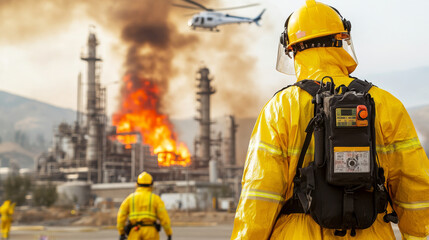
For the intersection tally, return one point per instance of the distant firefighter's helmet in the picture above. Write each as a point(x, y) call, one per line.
point(144, 179)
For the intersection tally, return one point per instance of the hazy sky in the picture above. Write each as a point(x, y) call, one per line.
point(389, 35)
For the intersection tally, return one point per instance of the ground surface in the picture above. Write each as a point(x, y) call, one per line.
point(61, 224)
point(87, 233)
point(217, 232)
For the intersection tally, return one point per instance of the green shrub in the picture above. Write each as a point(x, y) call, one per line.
point(45, 195)
point(16, 188)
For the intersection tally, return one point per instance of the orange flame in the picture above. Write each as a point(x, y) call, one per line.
point(139, 113)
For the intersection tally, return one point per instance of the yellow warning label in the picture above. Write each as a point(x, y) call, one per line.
point(352, 160)
point(350, 149)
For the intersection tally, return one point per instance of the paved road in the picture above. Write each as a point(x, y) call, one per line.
point(220, 232)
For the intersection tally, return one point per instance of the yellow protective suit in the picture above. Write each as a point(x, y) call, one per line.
point(275, 146)
point(6, 211)
point(143, 206)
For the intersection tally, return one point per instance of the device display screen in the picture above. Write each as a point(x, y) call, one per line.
point(345, 117)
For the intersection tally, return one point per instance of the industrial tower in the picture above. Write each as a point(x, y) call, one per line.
point(202, 144)
point(95, 121)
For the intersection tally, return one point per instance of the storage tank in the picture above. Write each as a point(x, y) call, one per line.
point(75, 193)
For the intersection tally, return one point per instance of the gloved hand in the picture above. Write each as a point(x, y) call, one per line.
point(122, 237)
point(169, 237)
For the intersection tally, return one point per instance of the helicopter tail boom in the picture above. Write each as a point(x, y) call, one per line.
point(258, 18)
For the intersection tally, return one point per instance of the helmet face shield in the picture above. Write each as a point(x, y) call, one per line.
point(349, 47)
point(285, 63)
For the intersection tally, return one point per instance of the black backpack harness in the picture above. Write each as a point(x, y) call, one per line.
point(343, 188)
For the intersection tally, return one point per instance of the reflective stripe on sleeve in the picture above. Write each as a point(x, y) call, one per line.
point(270, 148)
point(413, 143)
point(262, 195)
point(275, 150)
point(413, 205)
point(297, 151)
point(409, 237)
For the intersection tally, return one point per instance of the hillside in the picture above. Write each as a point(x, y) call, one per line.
point(14, 153)
point(35, 119)
point(26, 128)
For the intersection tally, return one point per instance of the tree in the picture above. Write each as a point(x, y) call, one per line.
point(45, 195)
point(16, 188)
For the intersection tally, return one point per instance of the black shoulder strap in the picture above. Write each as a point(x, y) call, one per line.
point(360, 85)
point(309, 86)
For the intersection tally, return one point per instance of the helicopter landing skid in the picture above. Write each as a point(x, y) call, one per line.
point(207, 29)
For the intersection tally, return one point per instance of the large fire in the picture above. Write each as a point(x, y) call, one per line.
point(139, 113)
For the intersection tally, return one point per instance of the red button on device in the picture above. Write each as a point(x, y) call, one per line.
point(362, 112)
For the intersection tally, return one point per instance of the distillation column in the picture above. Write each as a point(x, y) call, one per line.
point(203, 97)
point(92, 149)
point(230, 145)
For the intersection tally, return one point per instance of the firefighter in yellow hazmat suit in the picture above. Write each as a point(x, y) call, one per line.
point(279, 133)
point(143, 208)
point(6, 211)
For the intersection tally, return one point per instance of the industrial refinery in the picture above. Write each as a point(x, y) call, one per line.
point(95, 154)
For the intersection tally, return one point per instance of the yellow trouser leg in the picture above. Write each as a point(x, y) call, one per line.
point(5, 228)
point(144, 233)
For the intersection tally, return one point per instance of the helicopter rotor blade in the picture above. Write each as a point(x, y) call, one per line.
point(189, 14)
point(184, 6)
point(198, 5)
point(238, 7)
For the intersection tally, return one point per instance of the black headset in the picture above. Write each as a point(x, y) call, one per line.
point(284, 38)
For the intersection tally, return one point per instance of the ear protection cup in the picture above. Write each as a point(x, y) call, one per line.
point(347, 25)
point(284, 38)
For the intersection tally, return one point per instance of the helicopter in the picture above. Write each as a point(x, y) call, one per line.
point(210, 18)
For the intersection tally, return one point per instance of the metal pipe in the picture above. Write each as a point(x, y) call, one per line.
point(79, 99)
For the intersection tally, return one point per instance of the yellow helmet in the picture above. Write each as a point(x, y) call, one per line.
point(144, 179)
point(313, 20)
point(313, 25)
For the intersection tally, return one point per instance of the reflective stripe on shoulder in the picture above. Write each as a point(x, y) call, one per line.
point(413, 205)
point(262, 195)
point(413, 143)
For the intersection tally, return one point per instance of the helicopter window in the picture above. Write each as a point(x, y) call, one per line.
point(202, 20)
point(196, 19)
point(209, 19)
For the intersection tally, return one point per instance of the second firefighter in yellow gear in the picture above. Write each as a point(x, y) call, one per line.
point(6, 211)
point(279, 134)
point(143, 208)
